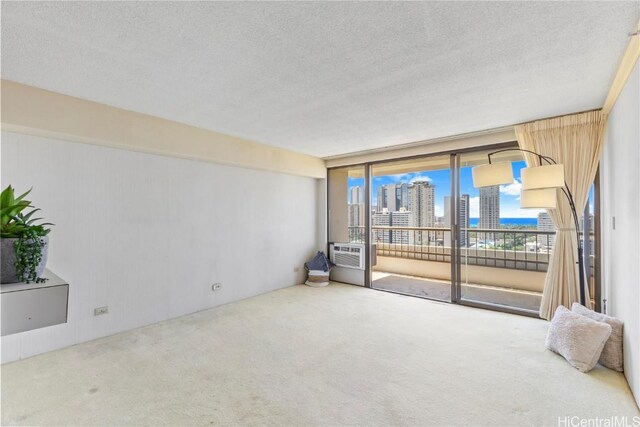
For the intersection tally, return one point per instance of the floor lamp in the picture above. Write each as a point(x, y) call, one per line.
point(539, 186)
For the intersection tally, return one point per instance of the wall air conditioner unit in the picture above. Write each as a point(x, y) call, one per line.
point(349, 255)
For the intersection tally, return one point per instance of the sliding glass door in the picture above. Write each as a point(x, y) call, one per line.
point(411, 228)
point(503, 250)
point(347, 213)
point(425, 231)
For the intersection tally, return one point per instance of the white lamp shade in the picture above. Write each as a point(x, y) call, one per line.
point(541, 198)
point(492, 174)
point(549, 176)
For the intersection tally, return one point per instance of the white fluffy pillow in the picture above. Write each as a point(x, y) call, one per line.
point(611, 356)
point(577, 338)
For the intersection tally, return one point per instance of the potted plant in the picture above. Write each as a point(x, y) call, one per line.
point(24, 242)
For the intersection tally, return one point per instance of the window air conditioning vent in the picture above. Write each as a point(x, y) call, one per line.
point(350, 255)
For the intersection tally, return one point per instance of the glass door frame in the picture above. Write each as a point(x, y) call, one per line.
point(368, 268)
point(455, 278)
point(455, 226)
point(368, 226)
point(457, 265)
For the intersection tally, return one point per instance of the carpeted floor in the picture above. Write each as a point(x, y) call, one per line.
point(340, 355)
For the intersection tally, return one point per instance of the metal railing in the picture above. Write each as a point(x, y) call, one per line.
point(520, 249)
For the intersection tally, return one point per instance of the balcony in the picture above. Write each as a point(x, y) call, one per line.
point(504, 267)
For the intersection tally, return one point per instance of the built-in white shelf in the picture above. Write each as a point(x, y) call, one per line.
point(27, 306)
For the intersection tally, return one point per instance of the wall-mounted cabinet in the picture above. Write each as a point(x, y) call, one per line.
point(34, 305)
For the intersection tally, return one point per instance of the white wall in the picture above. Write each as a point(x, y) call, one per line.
point(147, 235)
point(621, 199)
point(321, 224)
point(36, 111)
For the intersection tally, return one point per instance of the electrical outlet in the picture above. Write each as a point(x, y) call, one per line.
point(216, 287)
point(101, 310)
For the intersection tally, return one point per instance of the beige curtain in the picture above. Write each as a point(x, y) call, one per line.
point(576, 142)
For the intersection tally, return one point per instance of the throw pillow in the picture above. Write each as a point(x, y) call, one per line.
point(611, 356)
point(577, 338)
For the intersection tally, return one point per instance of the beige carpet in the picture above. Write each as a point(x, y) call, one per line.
point(340, 355)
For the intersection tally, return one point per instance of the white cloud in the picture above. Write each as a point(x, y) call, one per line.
point(406, 177)
point(474, 207)
point(420, 177)
point(439, 211)
point(512, 189)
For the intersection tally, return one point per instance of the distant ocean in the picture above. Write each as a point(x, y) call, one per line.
point(473, 222)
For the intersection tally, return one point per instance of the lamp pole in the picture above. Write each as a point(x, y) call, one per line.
point(567, 193)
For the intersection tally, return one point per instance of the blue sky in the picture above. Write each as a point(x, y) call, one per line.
point(509, 194)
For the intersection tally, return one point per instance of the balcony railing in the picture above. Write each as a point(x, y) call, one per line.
point(501, 248)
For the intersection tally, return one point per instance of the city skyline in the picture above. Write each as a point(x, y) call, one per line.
point(509, 194)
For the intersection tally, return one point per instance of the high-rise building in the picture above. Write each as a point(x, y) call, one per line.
point(357, 195)
point(402, 196)
point(356, 222)
point(381, 218)
point(402, 218)
point(393, 197)
point(422, 196)
point(545, 223)
point(464, 209)
point(591, 223)
point(465, 215)
point(356, 215)
point(381, 202)
point(392, 201)
point(490, 207)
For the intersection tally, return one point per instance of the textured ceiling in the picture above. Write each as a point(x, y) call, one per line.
point(324, 78)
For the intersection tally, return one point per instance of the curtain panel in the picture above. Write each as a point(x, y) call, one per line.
point(574, 141)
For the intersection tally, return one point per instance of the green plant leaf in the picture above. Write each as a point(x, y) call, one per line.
point(13, 222)
point(14, 208)
point(6, 198)
point(27, 216)
point(23, 195)
point(9, 211)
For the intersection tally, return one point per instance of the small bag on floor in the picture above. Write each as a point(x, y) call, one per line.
point(318, 270)
point(317, 278)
